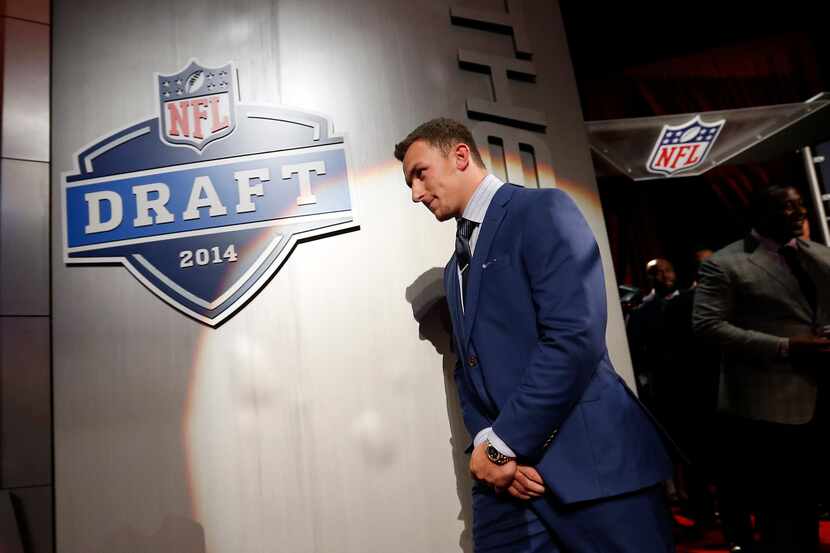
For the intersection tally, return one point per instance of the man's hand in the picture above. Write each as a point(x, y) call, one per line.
point(483, 469)
point(527, 483)
point(809, 348)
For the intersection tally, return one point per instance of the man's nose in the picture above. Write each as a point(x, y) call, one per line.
point(417, 192)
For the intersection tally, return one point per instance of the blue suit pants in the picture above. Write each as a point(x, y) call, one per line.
point(637, 522)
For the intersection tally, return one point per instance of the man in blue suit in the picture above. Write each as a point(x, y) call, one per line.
point(564, 458)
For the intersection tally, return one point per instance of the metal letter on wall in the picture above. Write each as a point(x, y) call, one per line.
point(516, 129)
point(205, 202)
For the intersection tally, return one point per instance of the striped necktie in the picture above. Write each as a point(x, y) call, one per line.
point(463, 253)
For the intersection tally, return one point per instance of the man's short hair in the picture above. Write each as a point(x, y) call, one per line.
point(441, 133)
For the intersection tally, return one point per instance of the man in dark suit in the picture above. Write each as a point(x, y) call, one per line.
point(647, 337)
point(765, 301)
point(564, 457)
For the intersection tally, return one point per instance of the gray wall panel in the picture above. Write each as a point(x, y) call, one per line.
point(26, 90)
point(322, 417)
point(24, 238)
point(26, 411)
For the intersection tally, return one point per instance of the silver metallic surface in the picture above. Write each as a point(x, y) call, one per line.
point(301, 424)
point(515, 144)
point(24, 238)
point(25, 425)
point(26, 91)
point(513, 21)
point(815, 191)
point(500, 68)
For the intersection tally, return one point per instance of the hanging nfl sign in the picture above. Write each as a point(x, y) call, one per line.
point(683, 147)
point(204, 202)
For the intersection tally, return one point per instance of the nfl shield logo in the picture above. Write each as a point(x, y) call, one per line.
point(196, 105)
point(683, 147)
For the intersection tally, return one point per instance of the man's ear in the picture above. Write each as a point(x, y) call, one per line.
point(461, 153)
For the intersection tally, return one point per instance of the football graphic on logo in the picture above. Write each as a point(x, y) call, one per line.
point(195, 81)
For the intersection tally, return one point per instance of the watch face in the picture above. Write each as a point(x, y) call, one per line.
point(495, 455)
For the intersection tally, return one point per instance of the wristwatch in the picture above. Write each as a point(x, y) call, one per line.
point(495, 455)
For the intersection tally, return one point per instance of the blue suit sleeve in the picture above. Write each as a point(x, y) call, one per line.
point(564, 269)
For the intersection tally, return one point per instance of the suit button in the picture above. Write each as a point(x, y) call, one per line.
point(472, 361)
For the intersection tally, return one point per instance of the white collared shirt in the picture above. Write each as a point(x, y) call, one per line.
point(475, 211)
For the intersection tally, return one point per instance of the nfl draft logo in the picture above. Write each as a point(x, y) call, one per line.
point(196, 105)
point(205, 201)
point(683, 147)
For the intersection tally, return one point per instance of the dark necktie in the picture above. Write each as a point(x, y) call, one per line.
point(808, 287)
point(463, 253)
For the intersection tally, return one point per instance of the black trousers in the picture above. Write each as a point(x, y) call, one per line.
point(773, 471)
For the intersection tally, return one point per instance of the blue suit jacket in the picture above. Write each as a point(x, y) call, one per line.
point(533, 363)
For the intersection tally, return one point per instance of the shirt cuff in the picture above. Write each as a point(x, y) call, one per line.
point(481, 436)
point(488, 434)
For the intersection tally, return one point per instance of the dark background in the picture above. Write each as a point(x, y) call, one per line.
point(637, 59)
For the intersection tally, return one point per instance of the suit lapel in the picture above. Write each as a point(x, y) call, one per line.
point(775, 268)
point(780, 273)
point(489, 229)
